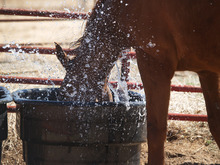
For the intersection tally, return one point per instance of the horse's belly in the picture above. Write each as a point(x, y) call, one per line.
point(197, 62)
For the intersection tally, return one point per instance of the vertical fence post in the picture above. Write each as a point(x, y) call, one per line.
point(125, 66)
point(125, 69)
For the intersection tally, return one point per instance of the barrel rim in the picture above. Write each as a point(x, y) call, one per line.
point(6, 96)
point(17, 99)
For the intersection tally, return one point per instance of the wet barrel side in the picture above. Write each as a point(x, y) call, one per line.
point(3, 125)
point(82, 135)
point(47, 154)
point(5, 97)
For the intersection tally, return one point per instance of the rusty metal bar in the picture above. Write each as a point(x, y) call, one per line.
point(30, 49)
point(186, 89)
point(30, 80)
point(129, 55)
point(33, 44)
point(176, 88)
point(46, 81)
point(187, 117)
point(44, 50)
point(12, 109)
point(32, 20)
point(44, 13)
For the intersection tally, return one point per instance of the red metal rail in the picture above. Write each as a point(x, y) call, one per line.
point(30, 80)
point(46, 81)
point(29, 49)
point(12, 109)
point(32, 20)
point(187, 117)
point(44, 13)
point(43, 50)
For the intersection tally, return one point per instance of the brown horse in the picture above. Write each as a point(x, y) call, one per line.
point(168, 36)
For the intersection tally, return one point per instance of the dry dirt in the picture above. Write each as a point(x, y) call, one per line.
point(187, 142)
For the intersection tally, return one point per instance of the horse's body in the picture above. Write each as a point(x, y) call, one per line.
point(168, 36)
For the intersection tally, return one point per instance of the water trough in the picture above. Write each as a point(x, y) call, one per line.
point(5, 97)
point(57, 132)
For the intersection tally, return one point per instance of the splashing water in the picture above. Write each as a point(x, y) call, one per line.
point(121, 92)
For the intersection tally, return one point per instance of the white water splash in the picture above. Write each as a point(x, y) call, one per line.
point(151, 45)
point(121, 92)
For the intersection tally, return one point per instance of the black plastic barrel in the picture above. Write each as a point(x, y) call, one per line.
point(56, 132)
point(5, 97)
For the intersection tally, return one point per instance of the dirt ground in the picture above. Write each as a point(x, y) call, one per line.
point(187, 142)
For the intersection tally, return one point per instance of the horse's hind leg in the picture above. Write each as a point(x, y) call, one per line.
point(210, 83)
